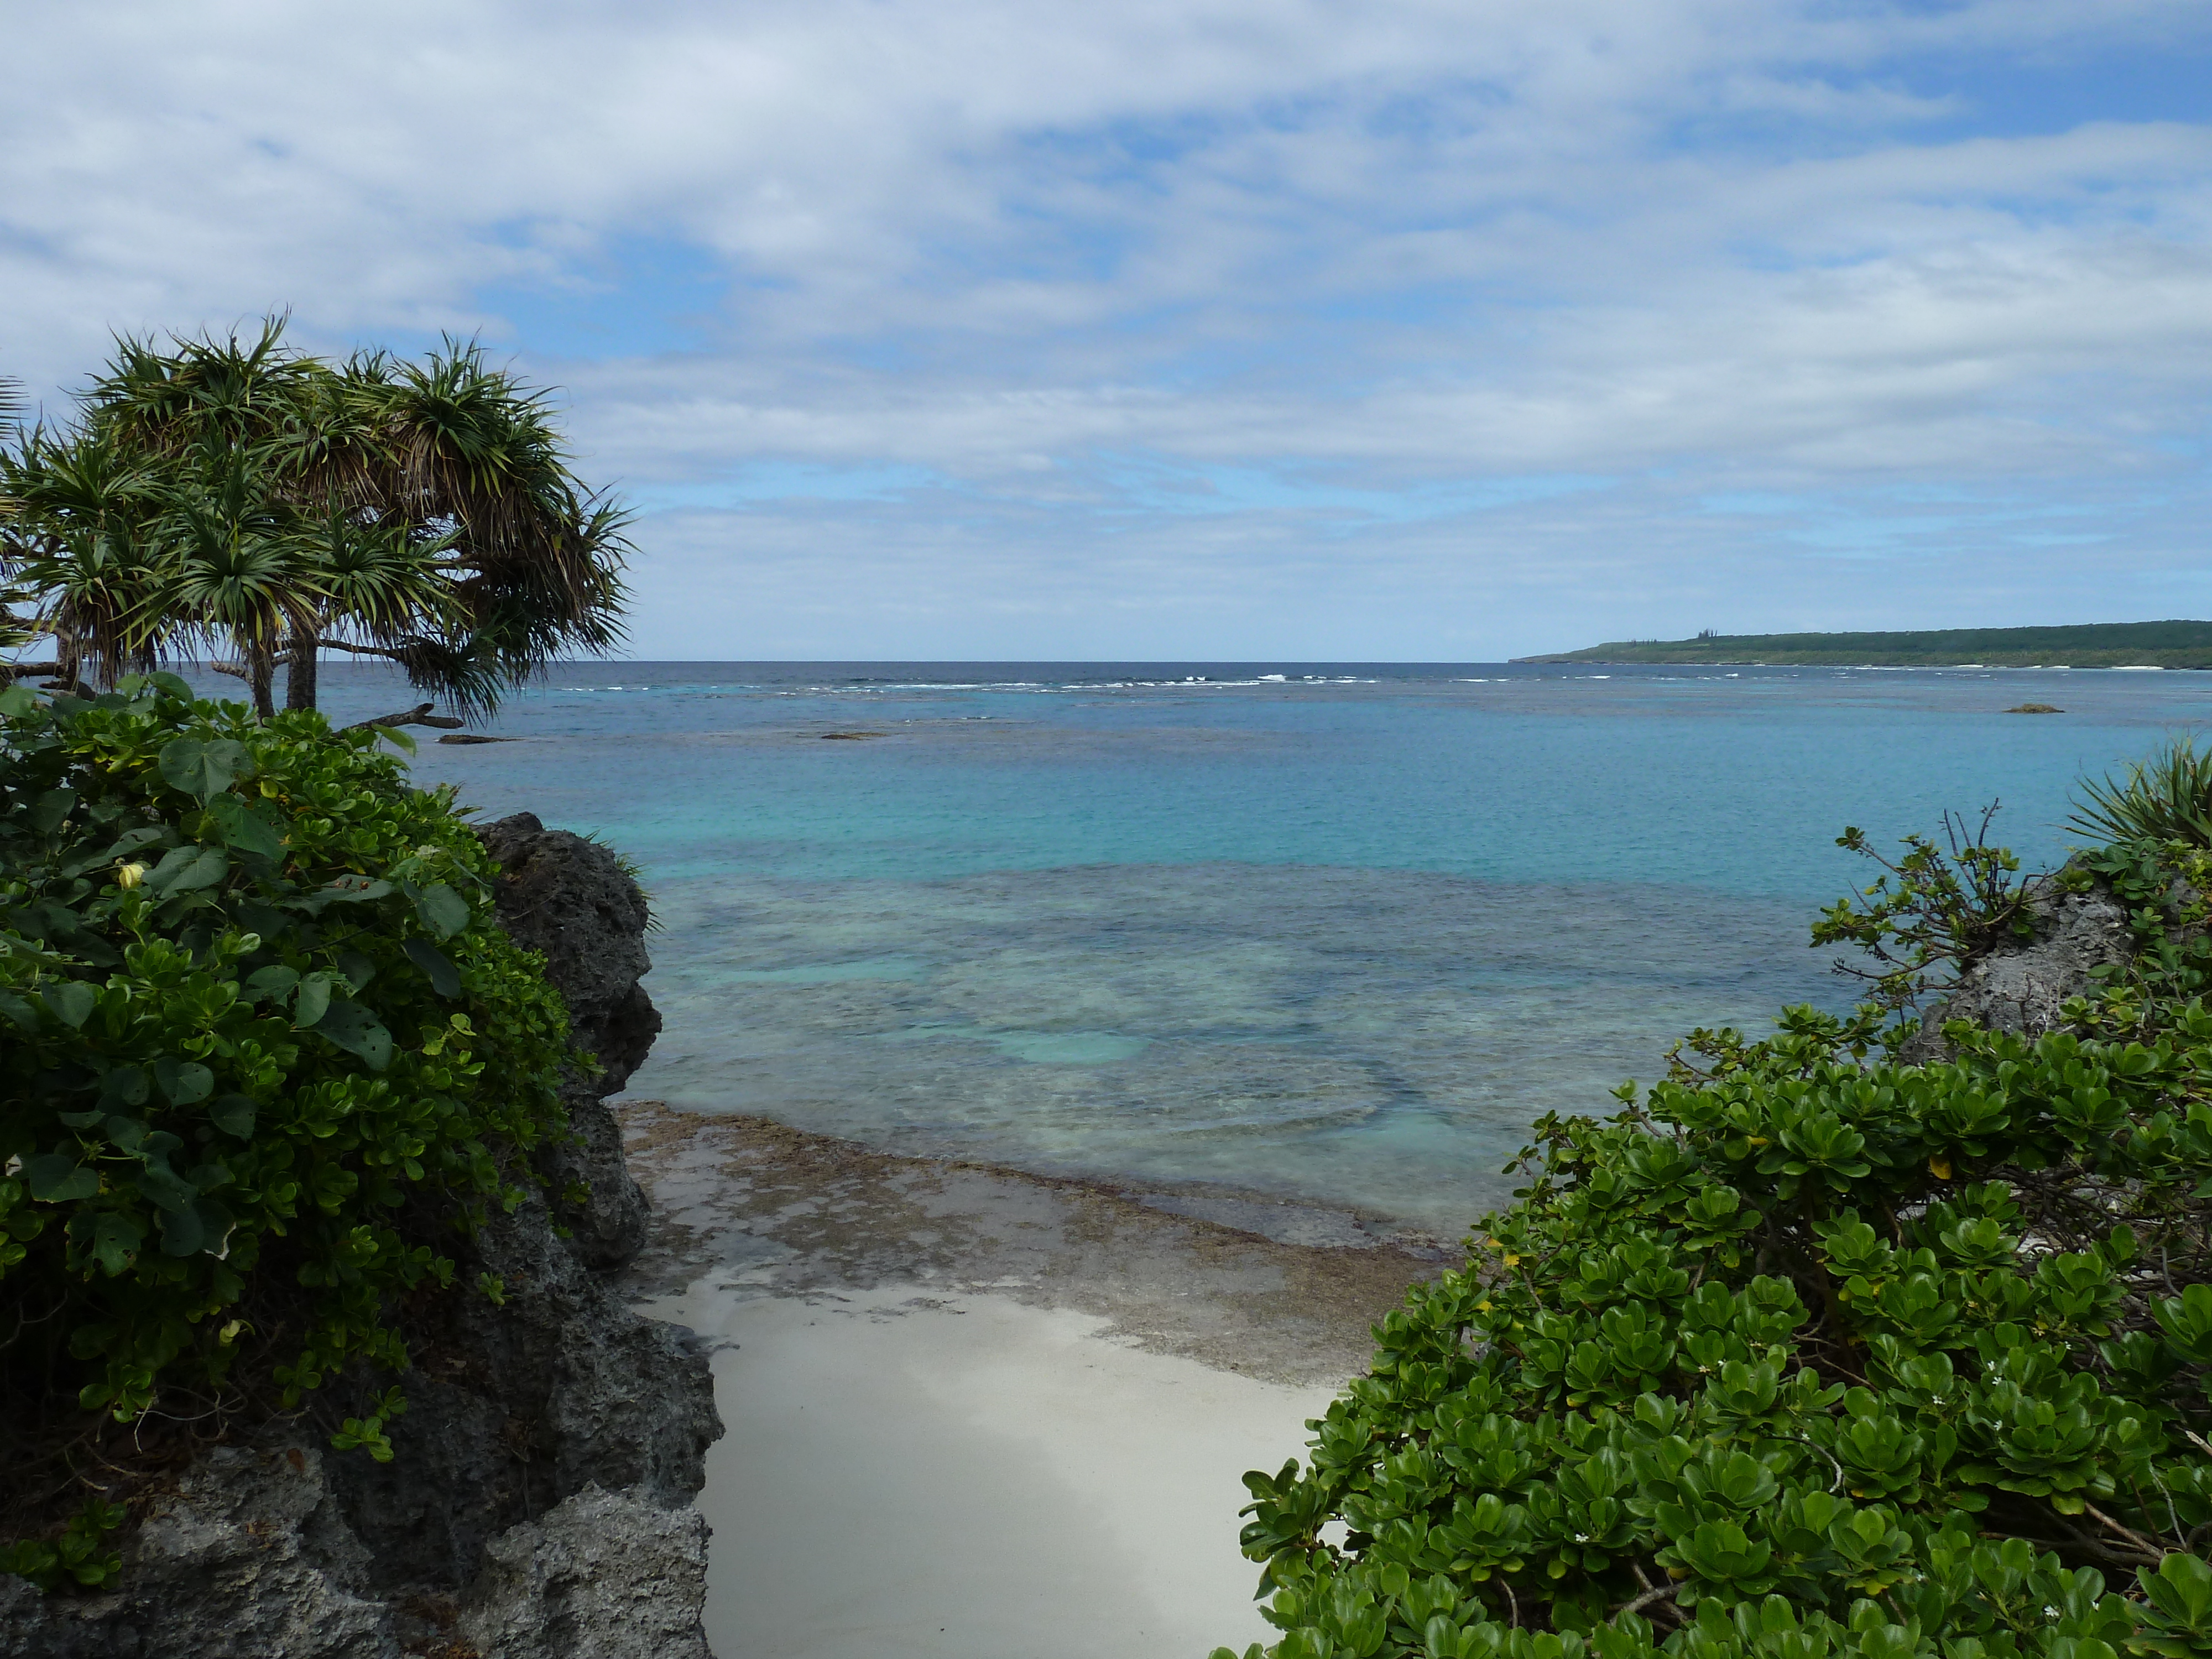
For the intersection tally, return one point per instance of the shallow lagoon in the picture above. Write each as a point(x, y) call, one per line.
point(1341, 933)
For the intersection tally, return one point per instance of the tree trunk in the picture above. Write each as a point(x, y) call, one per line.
point(302, 670)
point(261, 663)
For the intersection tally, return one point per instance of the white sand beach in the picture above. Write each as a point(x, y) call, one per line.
point(907, 1474)
point(970, 1412)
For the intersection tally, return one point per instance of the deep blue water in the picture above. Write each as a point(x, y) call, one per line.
point(1338, 931)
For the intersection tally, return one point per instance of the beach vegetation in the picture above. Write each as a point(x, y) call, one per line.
point(1806, 1351)
point(266, 1059)
point(239, 499)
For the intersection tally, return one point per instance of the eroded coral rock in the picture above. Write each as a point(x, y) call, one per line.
point(612, 1575)
point(249, 1560)
point(2023, 985)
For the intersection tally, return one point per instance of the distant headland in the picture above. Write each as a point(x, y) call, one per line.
point(2092, 645)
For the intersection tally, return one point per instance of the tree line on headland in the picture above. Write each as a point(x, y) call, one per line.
point(2089, 645)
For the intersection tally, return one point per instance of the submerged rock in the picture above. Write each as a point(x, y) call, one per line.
point(539, 1503)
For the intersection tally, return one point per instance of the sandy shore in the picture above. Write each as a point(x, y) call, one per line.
point(971, 1412)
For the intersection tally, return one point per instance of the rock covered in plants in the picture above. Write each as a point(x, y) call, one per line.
point(531, 1381)
point(247, 1559)
point(2024, 983)
point(1814, 1350)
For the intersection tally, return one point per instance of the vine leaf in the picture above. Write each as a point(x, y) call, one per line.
point(58, 1178)
point(358, 1031)
point(204, 769)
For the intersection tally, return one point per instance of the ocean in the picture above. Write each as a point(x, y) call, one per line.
point(1331, 931)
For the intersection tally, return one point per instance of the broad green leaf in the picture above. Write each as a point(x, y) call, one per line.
point(355, 1029)
point(182, 869)
point(181, 1233)
point(314, 1000)
point(18, 1010)
point(163, 1188)
point(48, 810)
point(245, 828)
point(234, 1115)
point(71, 1001)
point(357, 969)
point(58, 1178)
point(125, 1085)
point(183, 1082)
point(346, 889)
point(445, 978)
point(204, 769)
point(115, 1240)
point(443, 911)
point(16, 701)
point(277, 981)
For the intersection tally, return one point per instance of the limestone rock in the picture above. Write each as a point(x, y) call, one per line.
point(2021, 984)
point(611, 1575)
point(248, 1560)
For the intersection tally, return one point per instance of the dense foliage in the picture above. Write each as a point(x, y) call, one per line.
point(1808, 1351)
point(262, 1049)
point(265, 503)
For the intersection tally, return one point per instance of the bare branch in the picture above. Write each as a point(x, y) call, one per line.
point(418, 715)
point(1665, 1592)
point(2157, 1551)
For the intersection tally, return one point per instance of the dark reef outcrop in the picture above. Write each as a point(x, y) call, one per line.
point(539, 1504)
point(569, 898)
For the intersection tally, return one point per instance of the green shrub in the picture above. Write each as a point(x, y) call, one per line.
point(1807, 1351)
point(262, 1047)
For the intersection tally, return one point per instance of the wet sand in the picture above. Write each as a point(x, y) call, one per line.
point(978, 1412)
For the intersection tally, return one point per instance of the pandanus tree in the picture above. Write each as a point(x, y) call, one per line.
point(243, 498)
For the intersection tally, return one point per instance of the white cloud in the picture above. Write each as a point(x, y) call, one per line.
point(1061, 260)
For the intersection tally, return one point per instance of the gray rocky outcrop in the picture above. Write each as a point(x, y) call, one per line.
point(589, 1576)
point(249, 1560)
point(2023, 984)
point(539, 1501)
point(568, 898)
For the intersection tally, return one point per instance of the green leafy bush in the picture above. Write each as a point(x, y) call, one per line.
point(262, 1047)
point(1808, 1352)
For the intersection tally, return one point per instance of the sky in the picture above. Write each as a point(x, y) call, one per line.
point(1225, 330)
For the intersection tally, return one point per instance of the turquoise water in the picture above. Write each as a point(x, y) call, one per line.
point(1338, 931)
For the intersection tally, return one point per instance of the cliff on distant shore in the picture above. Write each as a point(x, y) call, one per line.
point(539, 1503)
point(2095, 645)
